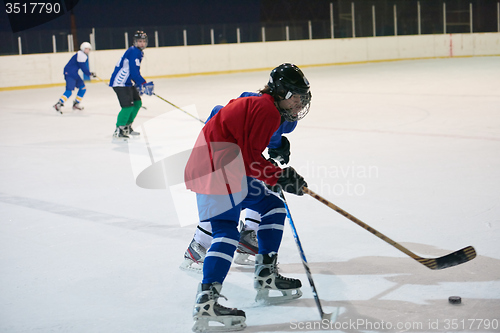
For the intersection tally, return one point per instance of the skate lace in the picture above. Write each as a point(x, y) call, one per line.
point(216, 298)
point(274, 269)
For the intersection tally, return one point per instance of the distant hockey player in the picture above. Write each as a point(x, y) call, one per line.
point(127, 70)
point(278, 150)
point(226, 170)
point(73, 79)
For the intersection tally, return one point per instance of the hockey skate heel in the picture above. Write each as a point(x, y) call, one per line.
point(267, 278)
point(120, 134)
point(130, 132)
point(77, 106)
point(194, 257)
point(248, 247)
point(58, 107)
point(207, 311)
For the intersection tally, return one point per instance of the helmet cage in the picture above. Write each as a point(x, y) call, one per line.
point(290, 114)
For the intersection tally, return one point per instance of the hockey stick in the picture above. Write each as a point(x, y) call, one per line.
point(456, 258)
point(175, 106)
point(323, 315)
point(97, 77)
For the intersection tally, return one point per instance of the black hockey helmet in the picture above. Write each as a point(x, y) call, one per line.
point(285, 81)
point(139, 34)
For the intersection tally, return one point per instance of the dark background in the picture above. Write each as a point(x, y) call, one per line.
point(112, 18)
point(126, 13)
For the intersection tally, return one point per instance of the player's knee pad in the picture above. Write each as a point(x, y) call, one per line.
point(273, 210)
point(226, 229)
point(81, 91)
point(225, 239)
point(67, 93)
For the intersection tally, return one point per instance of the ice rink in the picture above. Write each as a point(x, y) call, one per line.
point(412, 148)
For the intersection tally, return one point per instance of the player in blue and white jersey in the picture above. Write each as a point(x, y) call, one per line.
point(128, 85)
point(73, 79)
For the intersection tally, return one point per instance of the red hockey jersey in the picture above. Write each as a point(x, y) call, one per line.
point(230, 147)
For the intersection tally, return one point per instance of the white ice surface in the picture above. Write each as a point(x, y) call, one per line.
point(412, 148)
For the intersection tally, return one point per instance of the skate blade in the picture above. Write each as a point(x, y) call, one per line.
point(118, 140)
point(287, 295)
point(245, 259)
point(225, 324)
point(190, 266)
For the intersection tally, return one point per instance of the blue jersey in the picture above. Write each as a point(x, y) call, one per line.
point(127, 69)
point(285, 127)
point(77, 61)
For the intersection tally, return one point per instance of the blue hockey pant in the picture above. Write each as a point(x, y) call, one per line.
point(225, 228)
point(72, 82)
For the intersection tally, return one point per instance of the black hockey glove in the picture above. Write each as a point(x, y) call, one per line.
point(273, 162)
point(93, 74)
point(290, 181)
point(281, 154)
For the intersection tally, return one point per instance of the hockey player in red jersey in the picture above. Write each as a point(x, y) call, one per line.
point(248, 247)
point(227, 170)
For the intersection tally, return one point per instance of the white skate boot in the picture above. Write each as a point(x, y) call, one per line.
point(120, 134)
point(207, 310)
point(58, 107)
point(194, 257)
point(248, 247)
point(267, 278)
point(131, 132)
point(77, 106)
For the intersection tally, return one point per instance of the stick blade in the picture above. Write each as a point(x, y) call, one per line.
point(327, 316)
point(332, 317)
point(453, 259)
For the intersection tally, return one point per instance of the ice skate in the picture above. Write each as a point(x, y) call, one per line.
point(267, 278)
point(207, 311)
point(131, 132)
point(248, 247)
point(194, 257)
point(120, 134)
point(77, 106)
point(58, 106)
